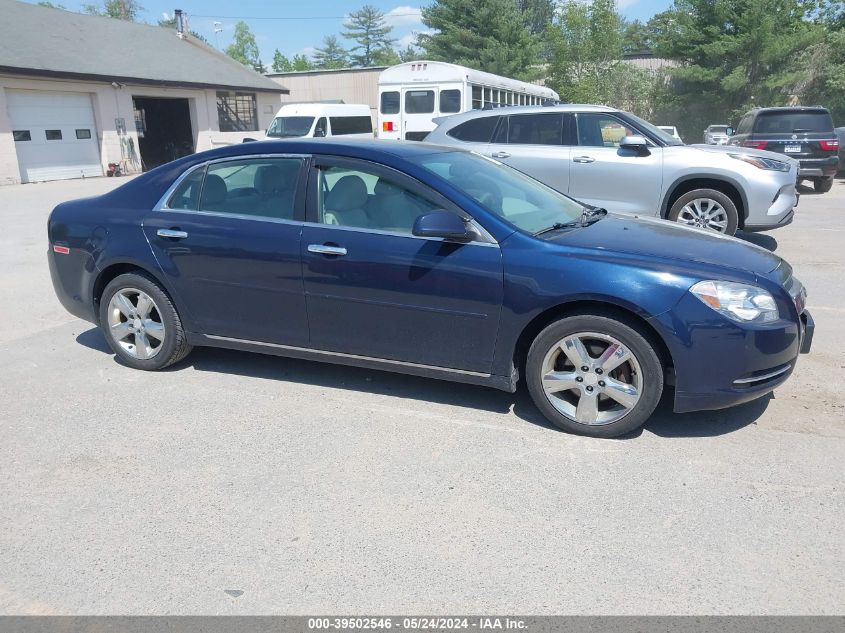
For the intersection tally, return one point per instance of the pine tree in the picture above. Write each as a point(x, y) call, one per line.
point(368, 28)
point(332, 55)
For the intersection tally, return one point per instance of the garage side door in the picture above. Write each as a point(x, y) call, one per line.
point(54, 133)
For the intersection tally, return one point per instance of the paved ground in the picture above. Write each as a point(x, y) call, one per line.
point(313, 489)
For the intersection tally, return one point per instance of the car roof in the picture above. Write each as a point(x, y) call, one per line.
point(333, 145)
point(504, 110)
point(777, 109)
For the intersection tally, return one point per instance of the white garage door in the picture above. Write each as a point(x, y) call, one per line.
point(54, 134)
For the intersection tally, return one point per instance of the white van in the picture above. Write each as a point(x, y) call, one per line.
point(316, 120)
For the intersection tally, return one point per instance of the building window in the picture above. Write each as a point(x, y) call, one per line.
point(21, 135)
point(83, 134)
point(53, 135)
point(237, 111)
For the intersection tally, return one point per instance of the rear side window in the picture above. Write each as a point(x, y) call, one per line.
point(389, 103)
point(478, 130)
point(419, 101)
point(262, 187)
point(187, 194)
point(536, 129)
point(351, 125)
point(791, 122)
point(450, 101)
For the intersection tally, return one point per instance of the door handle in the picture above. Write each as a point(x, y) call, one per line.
point(324, 249)
point(173, 234)
point(500, 155)
point(584, 159)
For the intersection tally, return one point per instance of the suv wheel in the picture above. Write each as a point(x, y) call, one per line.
point(823, 185)
point(706, 209)
point(594, 375)
point(141, 324)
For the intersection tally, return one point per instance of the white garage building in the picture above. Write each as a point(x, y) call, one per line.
point(80, 92)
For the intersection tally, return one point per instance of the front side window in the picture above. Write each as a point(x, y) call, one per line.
point(524, 202)
point(478, 130)
point(601, 130)
point(363, 199)
point(290, 126)
point(351, 125)
point(419, 102)
point(535, 129)
point(450, 101)
point(237, 111)
point(389, 103)
point(260, 187)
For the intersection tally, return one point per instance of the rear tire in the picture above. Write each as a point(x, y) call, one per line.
point(606, 386)
point(706, 208)
point(141, 324)
point(823, 185)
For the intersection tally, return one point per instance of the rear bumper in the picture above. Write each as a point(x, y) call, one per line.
point(818, 167)
point(70, 275)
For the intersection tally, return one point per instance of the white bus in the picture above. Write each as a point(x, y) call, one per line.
point(412, 94)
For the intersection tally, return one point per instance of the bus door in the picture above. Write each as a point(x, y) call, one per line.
point(418, 110)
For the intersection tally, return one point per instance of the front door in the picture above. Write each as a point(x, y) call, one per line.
point(228, 241)
point(606, 175)
point(374, 289)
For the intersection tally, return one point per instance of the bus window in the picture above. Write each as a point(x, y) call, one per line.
point(389, 103)
point(488, 96)
point(476, 98)
point(450, 101)
point(419, 102)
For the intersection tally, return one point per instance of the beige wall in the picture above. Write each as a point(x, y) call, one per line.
point(358, 86)
point(111, 103)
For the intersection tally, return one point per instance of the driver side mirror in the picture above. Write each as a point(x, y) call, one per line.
point(445, 224)
point(729, 131)
point(636, 143)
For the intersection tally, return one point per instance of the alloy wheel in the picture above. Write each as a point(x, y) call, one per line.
point(592, 378)
point(135, 323)
point(704, 213)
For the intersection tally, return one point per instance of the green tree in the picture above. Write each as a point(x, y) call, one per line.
point(489, 35)
point(331, 55)
point(410, 54)
point(301, 63)
point(371, 33)
point(585, 51)
point(50, 5)
point(537, 14)
point(386, 57)
point(118, 9)
point(243, 47)
point(281, 64)
point(637, 37)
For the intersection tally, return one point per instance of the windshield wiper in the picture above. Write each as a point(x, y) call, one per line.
point(557, 226)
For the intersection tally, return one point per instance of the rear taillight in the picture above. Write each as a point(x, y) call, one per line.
point(61, 250)
point(829, 145)
point(387, 126)
point(755, 144)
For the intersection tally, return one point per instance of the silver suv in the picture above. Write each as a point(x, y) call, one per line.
point(717, 134)
point(613, 159)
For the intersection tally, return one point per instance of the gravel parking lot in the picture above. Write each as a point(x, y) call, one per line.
point(238, 483)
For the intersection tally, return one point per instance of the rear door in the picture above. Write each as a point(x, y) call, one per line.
point(418, 104)
point(606, 175)
point(536, 144)
point(228, 241)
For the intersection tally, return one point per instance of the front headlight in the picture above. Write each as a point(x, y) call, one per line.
point(762, 163)
point(738, 302)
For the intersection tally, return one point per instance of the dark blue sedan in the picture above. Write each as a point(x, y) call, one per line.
point(431, 261)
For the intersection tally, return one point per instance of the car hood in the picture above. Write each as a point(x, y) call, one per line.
point(649, 237)
point(736, 149)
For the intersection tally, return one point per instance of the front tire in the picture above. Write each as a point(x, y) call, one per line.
point(141, 324)
point(823, 185)
point(706, 209)
point(594, 375)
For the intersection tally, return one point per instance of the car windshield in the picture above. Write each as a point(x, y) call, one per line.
point(287, 126)
point(789, 122)
point(510, 194)
point(666, 139)
point(718, 129)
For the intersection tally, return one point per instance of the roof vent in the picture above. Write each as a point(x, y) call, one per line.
point(181, 22)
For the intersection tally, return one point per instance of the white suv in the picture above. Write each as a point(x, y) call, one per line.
point(613, 159)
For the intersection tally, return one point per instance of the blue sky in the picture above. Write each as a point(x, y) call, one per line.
point(306, 23)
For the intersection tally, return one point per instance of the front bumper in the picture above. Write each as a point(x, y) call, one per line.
point(719, 363)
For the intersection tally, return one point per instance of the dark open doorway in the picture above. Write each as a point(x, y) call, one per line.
point(164, 130)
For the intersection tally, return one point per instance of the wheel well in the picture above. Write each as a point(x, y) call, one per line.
point(632, 319)
point(725, 187)
point(115, 270)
